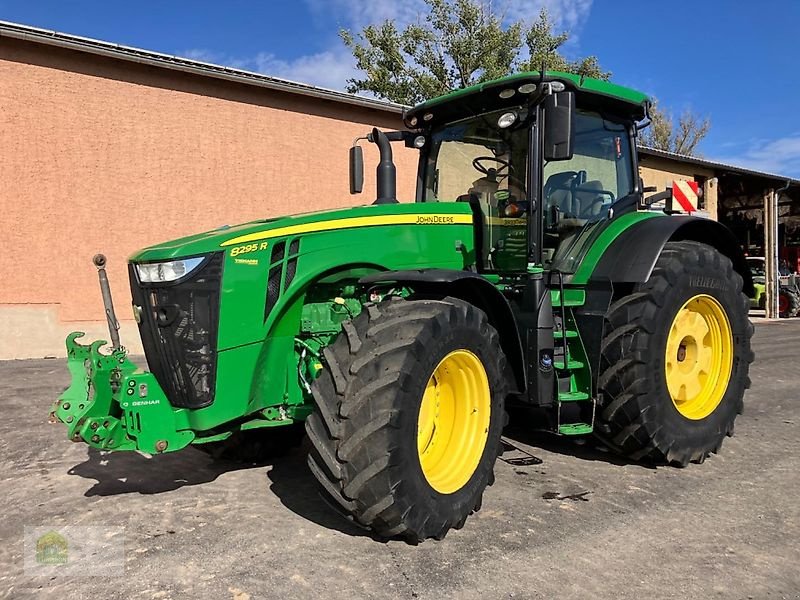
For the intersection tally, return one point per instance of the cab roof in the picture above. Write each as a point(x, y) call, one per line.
point(475, 98)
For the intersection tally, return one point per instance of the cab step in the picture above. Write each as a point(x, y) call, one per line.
point(572, 396)
point(572, 297)
point(571, 365)
point(561, 334)
point(575, 429)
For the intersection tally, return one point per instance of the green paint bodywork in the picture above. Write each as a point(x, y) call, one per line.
point(260, 362)
point(595, 86)
point(265, 364)
point(265, 367)
point(585, 252)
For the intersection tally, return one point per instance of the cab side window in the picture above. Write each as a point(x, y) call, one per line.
point(580, 190)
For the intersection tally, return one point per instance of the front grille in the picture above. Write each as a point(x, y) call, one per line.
point(179, 332)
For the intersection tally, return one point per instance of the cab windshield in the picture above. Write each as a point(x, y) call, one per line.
point(483, 160)
point(477, 160)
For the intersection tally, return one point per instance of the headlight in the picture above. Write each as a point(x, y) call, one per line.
point(167, 271)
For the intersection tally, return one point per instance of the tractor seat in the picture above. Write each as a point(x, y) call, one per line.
point(588, 202)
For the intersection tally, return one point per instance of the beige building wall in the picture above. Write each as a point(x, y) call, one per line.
point(99, 154)
point(661, 172)
point(104, 155)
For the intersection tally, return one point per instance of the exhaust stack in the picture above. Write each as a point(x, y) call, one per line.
point(386, 173)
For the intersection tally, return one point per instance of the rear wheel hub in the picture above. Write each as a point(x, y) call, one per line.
point(699, 357)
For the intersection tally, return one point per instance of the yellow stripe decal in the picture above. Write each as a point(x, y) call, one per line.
point(414, 219)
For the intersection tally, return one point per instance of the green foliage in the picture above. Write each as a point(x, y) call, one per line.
point(543, 45)
point(459, 43)
point(681, 138)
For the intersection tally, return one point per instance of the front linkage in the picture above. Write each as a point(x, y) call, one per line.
point(110, 403)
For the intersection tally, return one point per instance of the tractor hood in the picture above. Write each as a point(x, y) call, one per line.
point(305, 223)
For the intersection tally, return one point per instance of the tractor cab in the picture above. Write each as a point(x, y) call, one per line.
point(542, 158)
point(487, 161)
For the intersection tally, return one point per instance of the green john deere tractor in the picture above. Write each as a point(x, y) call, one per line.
point(530, 270)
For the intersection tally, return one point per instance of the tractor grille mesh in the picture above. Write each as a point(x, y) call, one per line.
point(273, 289)
point(283, 268)
point(277, 252)
point(291, 268)
point(179, 332)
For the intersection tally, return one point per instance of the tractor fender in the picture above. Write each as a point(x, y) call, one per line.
point(472, 288)
point(633, 254)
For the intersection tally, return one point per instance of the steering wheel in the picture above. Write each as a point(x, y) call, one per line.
point(505, 167)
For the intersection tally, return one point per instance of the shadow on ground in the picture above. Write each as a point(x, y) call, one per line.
point(522, 429)
point(291, 481)
point(295, 486)
point(130, 472)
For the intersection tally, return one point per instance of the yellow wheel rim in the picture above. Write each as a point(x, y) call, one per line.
point(699, 357)
point(453, 421)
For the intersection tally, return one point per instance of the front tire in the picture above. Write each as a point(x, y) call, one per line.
point(409, 414)
point(675, 358)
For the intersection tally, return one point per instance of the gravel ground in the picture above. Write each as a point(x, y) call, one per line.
point(562, 521)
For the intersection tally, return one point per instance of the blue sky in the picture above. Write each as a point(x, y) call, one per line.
point(734, 61)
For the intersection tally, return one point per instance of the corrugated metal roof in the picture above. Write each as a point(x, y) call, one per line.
point(694, 160)
point(157, 59)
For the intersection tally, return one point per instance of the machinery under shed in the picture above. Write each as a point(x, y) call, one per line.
point(761, 209)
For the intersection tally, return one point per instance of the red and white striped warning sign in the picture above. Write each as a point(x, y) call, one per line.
point(685, 194)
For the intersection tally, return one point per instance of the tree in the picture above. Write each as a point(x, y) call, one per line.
point(464, 42)
point(460, 43)
point(683, 138)
point(542, 45)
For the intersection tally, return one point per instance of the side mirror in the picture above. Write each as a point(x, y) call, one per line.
point(356, 170)
point(559, 126)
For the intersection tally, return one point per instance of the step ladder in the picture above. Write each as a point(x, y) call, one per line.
point(575, 406)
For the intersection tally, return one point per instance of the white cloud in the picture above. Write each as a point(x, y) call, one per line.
point(780, 156)
point(566, 14)
point(202, 55)
point(358, 13)
point(329, 68)
point(333, 66)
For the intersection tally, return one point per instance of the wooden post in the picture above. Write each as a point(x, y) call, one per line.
point(710, 198)
point(771, 253)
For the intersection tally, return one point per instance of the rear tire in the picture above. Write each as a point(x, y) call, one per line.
point(643, 417)
point(368, 439)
